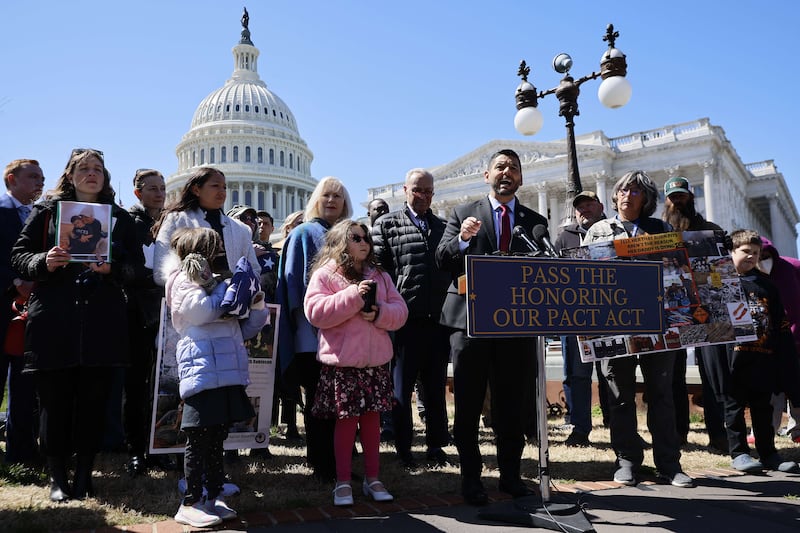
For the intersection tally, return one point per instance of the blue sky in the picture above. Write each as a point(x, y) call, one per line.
point(379, 87)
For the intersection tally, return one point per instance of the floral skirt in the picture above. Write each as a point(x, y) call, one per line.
point(345, 392)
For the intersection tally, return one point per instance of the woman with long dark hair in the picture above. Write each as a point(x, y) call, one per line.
point(200, 204)
point(77, 330)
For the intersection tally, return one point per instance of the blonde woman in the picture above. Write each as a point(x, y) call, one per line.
point(297, 346)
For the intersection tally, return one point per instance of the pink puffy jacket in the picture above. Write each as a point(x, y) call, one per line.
point(333, 304)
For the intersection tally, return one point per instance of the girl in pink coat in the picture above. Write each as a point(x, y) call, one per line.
point(355, 305)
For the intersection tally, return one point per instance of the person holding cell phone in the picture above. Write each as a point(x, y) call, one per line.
point(354, 304)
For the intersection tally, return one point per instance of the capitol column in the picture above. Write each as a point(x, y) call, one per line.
point(601, 188)
point(554, 220)
point(542, 190)
point(775, 222)
point(241, 192)
point(268, 205)
point(708, 186)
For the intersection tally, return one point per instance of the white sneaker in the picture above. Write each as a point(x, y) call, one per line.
point(196, 516)
point(220, 508)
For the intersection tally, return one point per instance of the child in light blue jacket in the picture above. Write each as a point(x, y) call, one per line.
point(213, 370)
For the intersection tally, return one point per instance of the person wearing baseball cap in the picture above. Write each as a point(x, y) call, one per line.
point(577, 374)
point(679, 208)
point(680, 212)
point(676, 184)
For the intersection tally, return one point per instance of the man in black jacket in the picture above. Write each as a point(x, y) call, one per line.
point(506, 364)
point(405, 243)
point(577, 374)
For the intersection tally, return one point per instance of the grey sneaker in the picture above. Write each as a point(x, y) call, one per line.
point(775, 462)
point(625, 476)
point(745, 463)
point(196, 516)
point(678, 479)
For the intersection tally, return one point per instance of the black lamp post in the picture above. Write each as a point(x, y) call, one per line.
point(614, 91)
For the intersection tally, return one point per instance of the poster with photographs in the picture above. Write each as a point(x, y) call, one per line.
point(83, 229)
point(165, 433)
point(703, 300)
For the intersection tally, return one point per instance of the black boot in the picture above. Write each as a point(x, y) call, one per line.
point(82, 485)
point(59, 486)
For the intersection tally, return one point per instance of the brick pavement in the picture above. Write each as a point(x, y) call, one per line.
point(262, 519)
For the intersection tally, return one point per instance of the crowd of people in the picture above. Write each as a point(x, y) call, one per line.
point(370, 314)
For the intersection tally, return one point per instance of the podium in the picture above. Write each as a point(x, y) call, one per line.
point(535, 296)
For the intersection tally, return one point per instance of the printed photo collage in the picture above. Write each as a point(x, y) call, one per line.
point(703, 300)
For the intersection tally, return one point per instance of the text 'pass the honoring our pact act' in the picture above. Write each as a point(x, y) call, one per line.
point(522, 296)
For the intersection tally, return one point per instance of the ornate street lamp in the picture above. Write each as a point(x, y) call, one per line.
point(614, 91)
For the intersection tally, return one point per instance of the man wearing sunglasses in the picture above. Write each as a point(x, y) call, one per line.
point(405, 244)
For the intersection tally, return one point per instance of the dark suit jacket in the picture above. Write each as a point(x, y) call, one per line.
point(451, 259)
point(10, 227)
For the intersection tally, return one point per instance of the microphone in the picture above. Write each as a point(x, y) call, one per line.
point(542, 237)
point(519, 232)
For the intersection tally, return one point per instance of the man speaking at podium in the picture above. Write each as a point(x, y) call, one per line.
point(479, 228)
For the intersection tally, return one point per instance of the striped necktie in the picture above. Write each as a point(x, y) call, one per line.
point(24, 211)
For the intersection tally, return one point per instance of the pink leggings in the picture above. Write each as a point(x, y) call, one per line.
point(344, 436)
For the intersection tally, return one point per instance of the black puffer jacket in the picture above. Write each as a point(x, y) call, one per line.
point(74, 318)
point(409, 257)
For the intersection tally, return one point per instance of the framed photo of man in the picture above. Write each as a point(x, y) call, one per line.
point(83, 230)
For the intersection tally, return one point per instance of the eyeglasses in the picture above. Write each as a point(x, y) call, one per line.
point(358, 238)
point(423, 192)
point(630, 192)
point(247, 218)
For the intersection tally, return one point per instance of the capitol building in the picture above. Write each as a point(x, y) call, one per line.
point(250, 134)
point(728, 191)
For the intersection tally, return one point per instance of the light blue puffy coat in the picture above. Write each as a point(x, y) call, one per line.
point(211, 351)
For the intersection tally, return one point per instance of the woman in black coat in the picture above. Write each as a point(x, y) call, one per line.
point(77, 330)
point(144, 308)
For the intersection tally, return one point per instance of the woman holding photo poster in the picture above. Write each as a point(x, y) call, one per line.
point(634, 198)
point(77, 330)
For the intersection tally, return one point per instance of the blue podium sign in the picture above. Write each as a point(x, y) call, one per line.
point(515, 296)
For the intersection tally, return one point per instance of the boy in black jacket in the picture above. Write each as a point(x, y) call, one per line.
point(756, 369)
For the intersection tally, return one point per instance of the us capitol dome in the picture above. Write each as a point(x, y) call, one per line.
point(250, 134)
